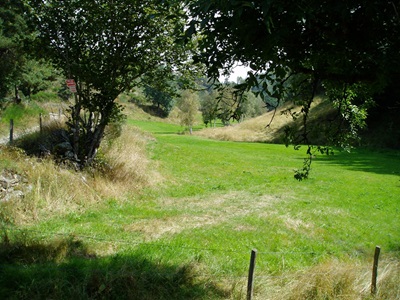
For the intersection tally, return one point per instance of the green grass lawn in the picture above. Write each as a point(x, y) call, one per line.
point(239, 196)
point(349, 205)
point(219, 200)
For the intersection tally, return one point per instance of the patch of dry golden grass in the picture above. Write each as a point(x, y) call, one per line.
point(218, 208)
point(127, 165)
point(333, 280)
point(253, 130)
point(50, 189)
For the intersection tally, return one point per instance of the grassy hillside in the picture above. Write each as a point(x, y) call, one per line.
point(382, 130)
point(175, 217)
point(268, 127)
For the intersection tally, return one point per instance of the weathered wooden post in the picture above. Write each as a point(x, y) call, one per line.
point(40, 122)
point(11, 131)
point(250, 282)
point(375, 270)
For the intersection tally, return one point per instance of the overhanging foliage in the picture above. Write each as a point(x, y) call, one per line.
point(348, 49)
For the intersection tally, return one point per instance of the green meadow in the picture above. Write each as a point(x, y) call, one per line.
point(189, 235)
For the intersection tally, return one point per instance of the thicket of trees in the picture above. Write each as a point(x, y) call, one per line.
point(19, 71)
point(227, 104)
point(13, 30)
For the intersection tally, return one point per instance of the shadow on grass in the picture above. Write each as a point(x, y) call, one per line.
point(153, 110)
point(375, 161)
point(64, 269)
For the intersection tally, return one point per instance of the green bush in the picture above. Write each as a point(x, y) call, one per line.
point(45, 96)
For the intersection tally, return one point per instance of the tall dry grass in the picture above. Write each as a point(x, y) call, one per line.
point(334, 280)
point(126, 167)
point(49, 189)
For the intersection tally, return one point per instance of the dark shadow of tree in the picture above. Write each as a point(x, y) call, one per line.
point(154, 110)
point(366, 160)
point(376, 160)
point(64, 269)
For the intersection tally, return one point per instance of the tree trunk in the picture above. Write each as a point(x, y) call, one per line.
point(76, 126)
point(95, 143)
point(17, 98)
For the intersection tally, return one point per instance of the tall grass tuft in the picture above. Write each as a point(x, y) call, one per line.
point(122, 165)
point(388, 280)
point(50, 189)
point(335, 280)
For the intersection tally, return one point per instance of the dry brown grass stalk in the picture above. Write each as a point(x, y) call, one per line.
point(216, 209)
point(48, 190)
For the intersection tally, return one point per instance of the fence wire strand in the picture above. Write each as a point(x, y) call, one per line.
point(146, 243)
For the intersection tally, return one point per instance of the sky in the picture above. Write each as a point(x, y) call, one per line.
point(238, 71)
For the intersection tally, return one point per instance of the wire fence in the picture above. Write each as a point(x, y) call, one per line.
point(42, 120)
point(145, 242)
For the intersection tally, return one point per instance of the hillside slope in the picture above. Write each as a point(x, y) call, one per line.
point(268, 127)
point(382, 130)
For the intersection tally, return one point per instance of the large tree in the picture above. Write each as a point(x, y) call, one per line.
point(104, 45)
point(349, 49)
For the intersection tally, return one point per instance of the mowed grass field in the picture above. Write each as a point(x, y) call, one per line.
point(189, 235)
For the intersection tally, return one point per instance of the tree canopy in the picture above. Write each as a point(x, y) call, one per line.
point(349, 41)
point(348, 49)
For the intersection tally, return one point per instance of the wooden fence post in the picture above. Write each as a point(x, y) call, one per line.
point(250, 282)
point(40, 122)
point(375, 270)
point(11, 131)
